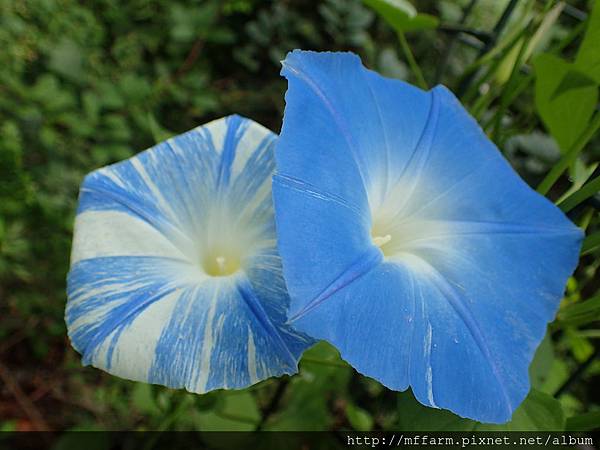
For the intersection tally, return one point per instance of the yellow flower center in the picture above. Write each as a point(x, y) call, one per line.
point(221, 261)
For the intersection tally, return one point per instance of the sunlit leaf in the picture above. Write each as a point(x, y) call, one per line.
point(237, 412)
point(590, 243)
point(402, 15)
point(542, 363)
point(588, 57)
point(579, 173)
point(143, 399)
point(579, 345)
point(360, 419)
point(322, 375)
point(581, 313)
point(66, 59)
point(414, 416)
point(565, 98)
point(570, 156)
point(586, 191)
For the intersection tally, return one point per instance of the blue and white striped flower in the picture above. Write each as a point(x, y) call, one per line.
point(175, 277)
point(407, 240)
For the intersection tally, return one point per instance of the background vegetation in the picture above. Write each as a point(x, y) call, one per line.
point(85, 84)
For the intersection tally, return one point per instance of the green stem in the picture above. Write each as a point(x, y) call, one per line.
point(569, 157)
point(473, 91)
point(521, 85)
point(510, 86)
point(273, 403)
point(412, 62)
point(591, 243)
point(182, 406)
point(467, 81)
point(483, 102)
point(588, 189)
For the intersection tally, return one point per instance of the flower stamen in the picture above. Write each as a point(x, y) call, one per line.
point(380, 241)
point(221, 263)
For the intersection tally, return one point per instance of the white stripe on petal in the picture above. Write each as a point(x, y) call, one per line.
point(207, 343)
point(253, 136)
point(252, 358)
point(218, 130)
point(115, 233)
point(429, 371)
point(164, 205)
point(135, 349)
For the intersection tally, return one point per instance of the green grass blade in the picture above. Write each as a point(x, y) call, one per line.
point(591, 243)
point(589, 189)
point(581, 313)
point(570, 156)
point(412, 62)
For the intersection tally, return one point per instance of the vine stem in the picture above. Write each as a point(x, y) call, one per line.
point(412, 62)
point(273, 403)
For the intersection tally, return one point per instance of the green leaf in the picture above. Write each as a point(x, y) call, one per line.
point(158, 132)
point(393, 8)
point(564, 97)
point(91, 105)
point(579, 173)
point(542, 362)
point(236, 412)
point(109, 95)
point(588, 57)
point(579, 345)
point(584, 422)
point(143, 399)
point(591, 243)
point(66, 59)
point(570, 156)
point(134, 88)
point(402, 15)
point(414, 416)
point(586, 191)
point(557, 375)
point(581, 313)
point(322, 375)
point(543, 33)
point(360, 419)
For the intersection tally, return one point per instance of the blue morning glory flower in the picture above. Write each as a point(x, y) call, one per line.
point(408, 241)
point(175, 278)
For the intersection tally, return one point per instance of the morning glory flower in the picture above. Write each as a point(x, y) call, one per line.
point(175, 278)
point(407, 240)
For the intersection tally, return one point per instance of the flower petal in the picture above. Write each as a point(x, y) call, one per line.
point(353, 111)
point(472, 261)
point(141, 304)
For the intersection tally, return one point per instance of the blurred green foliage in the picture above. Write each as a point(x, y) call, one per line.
point(85, 84)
